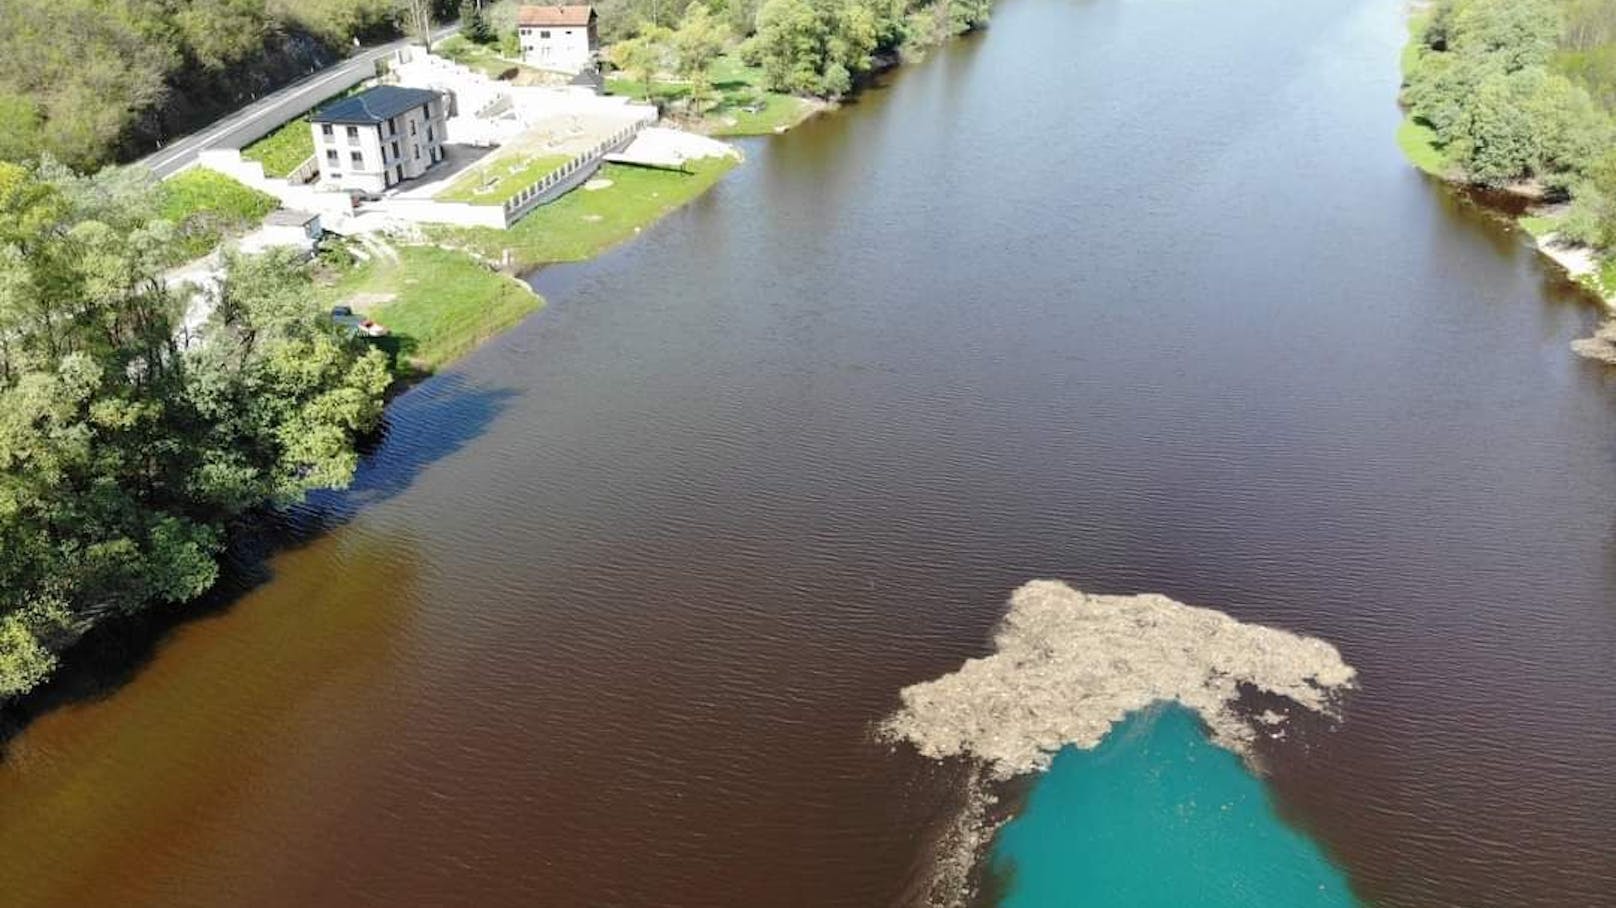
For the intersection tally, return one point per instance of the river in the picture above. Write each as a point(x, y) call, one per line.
point(1137, 294)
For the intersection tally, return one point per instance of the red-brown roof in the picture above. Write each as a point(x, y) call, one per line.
point(554, 15)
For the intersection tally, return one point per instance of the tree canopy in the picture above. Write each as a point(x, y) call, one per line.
point(128, 448)
point(1489, 83)
point(698, 42)
point(83, 79)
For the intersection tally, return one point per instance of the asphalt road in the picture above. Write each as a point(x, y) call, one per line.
point(273, 109)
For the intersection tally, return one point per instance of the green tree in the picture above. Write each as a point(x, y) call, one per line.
point(415, 18)
point(814, 48)
point(1520, 33)
point(223, 32)
point(698, 42)
point(23, 136)
point(1570, 129)
point(1592, 218)
point(125, 456)
point(643, 56)
point(1496, 140)
point(473, 24)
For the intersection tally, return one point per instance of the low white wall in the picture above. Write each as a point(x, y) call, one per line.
point(429, 211)
point(229, 162)
point(574, 174)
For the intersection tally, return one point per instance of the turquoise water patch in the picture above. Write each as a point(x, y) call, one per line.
point(1158, 817)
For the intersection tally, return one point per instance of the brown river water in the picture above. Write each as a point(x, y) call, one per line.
point(1138, 294)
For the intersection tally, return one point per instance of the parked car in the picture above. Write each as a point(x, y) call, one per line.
point(343, 316)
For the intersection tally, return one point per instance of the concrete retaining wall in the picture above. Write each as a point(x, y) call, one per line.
point(229, 162)
point(430, 211)
point(574, 174)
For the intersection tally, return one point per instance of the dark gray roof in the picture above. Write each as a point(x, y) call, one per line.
point(374, 105)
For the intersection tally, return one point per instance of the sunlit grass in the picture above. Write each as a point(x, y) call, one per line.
point(207, 206)
point(1418, 142)
point(493, 182)
point(583, 223)
point(439, 303)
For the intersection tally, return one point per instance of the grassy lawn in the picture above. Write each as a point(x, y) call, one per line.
point(779, 113)
point(1418, 142)
point(485, 60)
point(438, 304)
point(583, 222)
point(739, 87)
point(284, 149)
point(492, 182)
point(660, 91)
point(207, 206)
point(1604, 280)
point(1412, 50)
point(1537, 225)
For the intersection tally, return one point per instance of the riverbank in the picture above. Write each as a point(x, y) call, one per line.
point(443, 291)
point(1540, 218)
point(742, 105)
point(648, 567)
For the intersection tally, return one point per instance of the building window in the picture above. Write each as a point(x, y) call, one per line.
point(392, 127)
point(325, 130)
point(544, 34)
point(429, 133)
point(412, 127)
point(331, 156)
point(358, 160)
point(395, 149)
point(415, 152)
point(353, 135)
point(400, 171)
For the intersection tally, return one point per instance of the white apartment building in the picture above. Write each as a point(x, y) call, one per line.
point(379, 138)
point(558, 37)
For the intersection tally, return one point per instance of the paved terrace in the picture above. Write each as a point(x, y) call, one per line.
point(562, 135)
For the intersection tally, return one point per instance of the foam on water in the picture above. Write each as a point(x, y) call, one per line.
point(1158, 817)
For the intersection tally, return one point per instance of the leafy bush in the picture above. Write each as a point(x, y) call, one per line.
point(1484, 86)
point(125, 454)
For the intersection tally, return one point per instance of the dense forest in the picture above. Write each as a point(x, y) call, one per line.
point(128, 447)
point(1521, 94)
point(804, 47)
point(91, 81)
point(95, 81)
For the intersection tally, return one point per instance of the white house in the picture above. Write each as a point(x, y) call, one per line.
point(558, 37)
point(379, 138)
